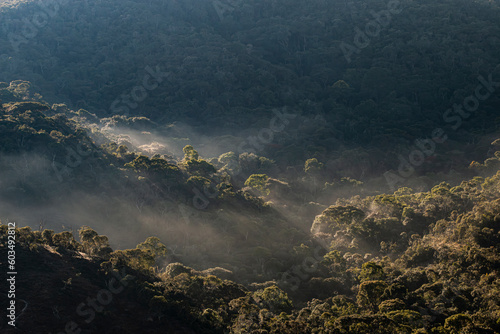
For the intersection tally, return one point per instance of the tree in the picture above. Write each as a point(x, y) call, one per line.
point(190, 153)
point(370, 271)
point(136, 258)
point(199, 182)
point(337, 217)
point(406, 318)
point(199, 167)
point(157, 248)
point(313, 166)
point(155, 167)
point(335, 259)
point(47, 236)
point(370, 294)
point(92, 243)
point(458, 323)
point(391, 305)
point(229, 160)
point(274, 299)
point(258, 182)
point(86, 234)
point(177, 268)
point(64, 239)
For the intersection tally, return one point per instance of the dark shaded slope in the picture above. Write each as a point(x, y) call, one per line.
point(54, 284)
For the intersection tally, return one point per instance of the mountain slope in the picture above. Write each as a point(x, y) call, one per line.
point(221, 66)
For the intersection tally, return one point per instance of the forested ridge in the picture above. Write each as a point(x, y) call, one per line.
point(251, 166)
point(405, 262)
point(230, 67)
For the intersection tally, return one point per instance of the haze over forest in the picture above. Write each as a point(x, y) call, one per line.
point(251, 166)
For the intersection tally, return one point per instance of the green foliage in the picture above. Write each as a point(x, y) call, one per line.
point(229, 159)
point(47, 236)
point(138, 259)
point(154, 245)
point(334, 256)
point(199, 182)
point(273, 299)
point(174, 269)
point(349, 182)
point(408, 318)
point(313, 166)
point(370, 271)
point(442, 189)
point(404, 191)
point(212, 318)
point(19, 108)
point(64, 240)
point(92, 243)
point(419, 254)
point(250, 163)
point(337, 217)
point(370, 294)
point(343, 306)
point(190, 153)
point(458, 323)
point(199, 167)
point(391, 305)
point(153, 167)
point(258, 182)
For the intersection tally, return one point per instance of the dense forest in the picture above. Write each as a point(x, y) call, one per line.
point(408, 262)
point(251, 166)
point(218, 67)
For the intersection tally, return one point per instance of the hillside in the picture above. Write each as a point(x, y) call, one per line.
point(408, 262)
point(221, 68)
point(383, 263)
point(60, 171)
